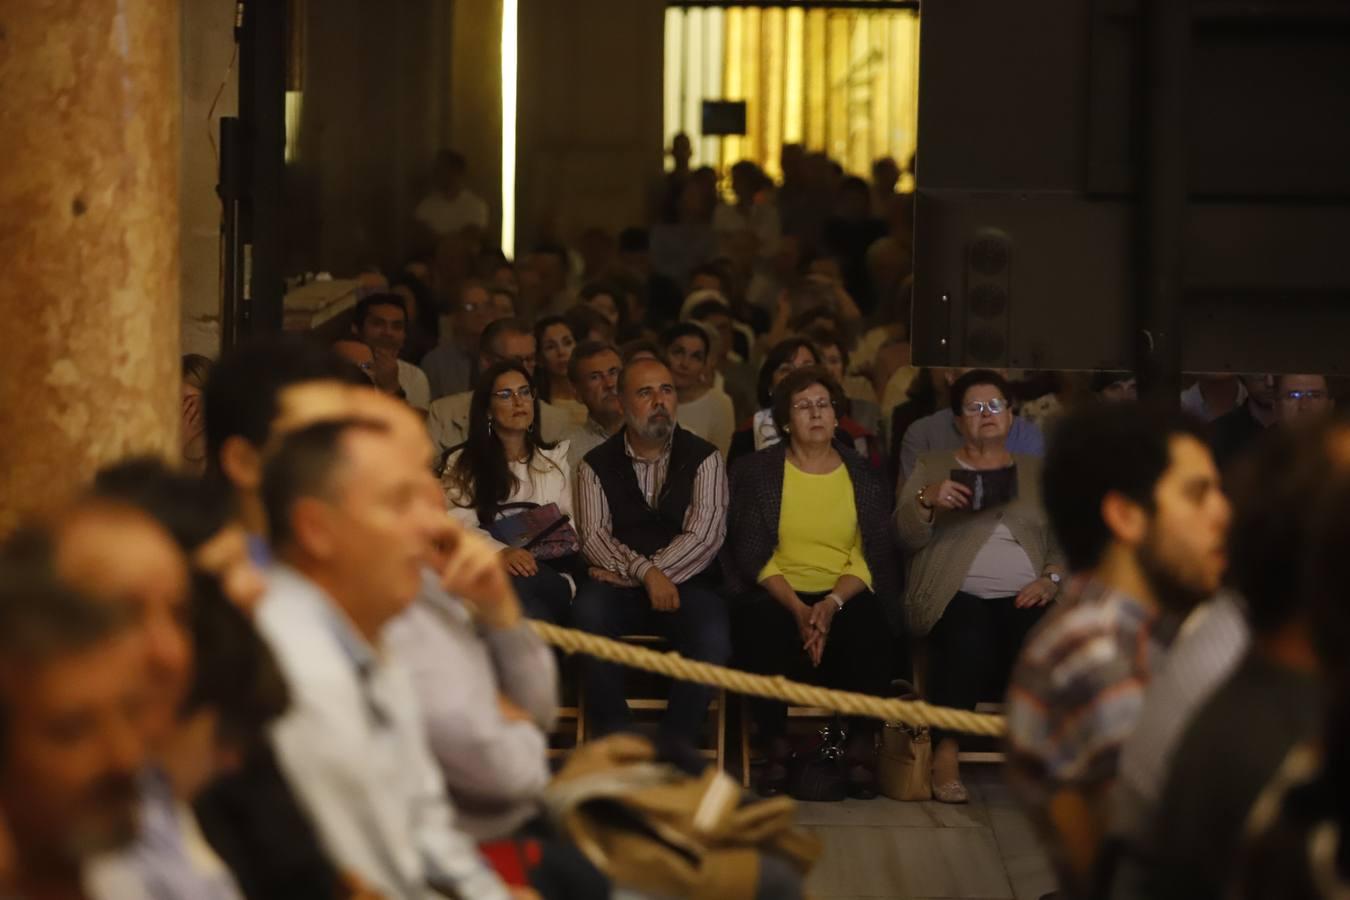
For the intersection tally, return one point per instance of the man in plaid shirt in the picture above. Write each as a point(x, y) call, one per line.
point(1134, 497)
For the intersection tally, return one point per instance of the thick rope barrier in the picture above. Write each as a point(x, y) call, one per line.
point(914, 713)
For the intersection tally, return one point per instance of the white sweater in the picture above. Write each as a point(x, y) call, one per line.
point(548, 481)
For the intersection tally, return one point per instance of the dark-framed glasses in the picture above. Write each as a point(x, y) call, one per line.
point(1297, 396)
point(980, 407)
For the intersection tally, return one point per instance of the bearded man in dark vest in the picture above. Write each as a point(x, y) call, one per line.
point(652, 511)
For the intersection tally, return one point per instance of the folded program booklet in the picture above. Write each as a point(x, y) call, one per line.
point(988, 487)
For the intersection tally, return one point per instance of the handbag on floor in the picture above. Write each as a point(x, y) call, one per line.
point(905, 763)
point(817, 772)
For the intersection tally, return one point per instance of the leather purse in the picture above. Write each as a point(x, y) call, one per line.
point(905, 763)
point(542, 530)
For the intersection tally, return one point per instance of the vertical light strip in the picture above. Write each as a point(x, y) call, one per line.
point(773, 55)
point(715, 30)
point(693, 82)
point(510, 43)
point(817, 88)
point(733, 88)
point(671, 116)
point(793, 89)
point(753, 148)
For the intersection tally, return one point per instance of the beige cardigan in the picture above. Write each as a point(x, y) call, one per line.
point(941, 551)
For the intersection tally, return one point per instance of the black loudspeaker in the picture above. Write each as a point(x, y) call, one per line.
point(1032, 199)
point(988, 279)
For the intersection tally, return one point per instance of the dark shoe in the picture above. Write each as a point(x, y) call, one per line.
point(773, 780)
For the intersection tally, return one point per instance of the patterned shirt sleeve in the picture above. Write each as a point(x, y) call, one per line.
point(705, 527)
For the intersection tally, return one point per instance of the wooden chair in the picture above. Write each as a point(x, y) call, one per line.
point(793, 712)
point(718, 706)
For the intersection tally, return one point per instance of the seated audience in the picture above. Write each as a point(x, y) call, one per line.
point(504, 340)
point(1213, 395)
point(1303, 398)
point(607, 300)
point(192, 429)
point(502, 470)
point(1134, 499)
point(381, 322)
point(594, 372)
point(1115, 387)
point(638, 349)
point(731, 372)
point(925, 395)
point(704, 410)
point(863, 432)
point(352, 528)
point(652, 504)
point(940, 431)
point(554, 344)
point(450, 367)
point(1235, 431)
point(662, 293)
point(810, 558)
point(449, 207)
point(589, 324)
point(424, 318)
point(862, 399)
point(1185, 841)
point(760, 431)
point(66, 793)
point(984, 564)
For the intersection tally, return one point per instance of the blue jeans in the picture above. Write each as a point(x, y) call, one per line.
point(697, 630)
point(545, 595)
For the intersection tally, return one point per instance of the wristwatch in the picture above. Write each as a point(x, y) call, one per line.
point(1055, 578)
point(835, 597)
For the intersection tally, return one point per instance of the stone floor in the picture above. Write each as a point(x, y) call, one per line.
point(882, 848)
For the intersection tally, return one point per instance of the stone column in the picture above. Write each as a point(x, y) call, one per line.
point(88, 241)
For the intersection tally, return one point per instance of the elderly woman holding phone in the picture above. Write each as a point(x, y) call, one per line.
point(810, 559)
point(984, 563)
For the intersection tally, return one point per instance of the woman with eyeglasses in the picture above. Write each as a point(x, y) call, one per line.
point(505, 470)
point(810, 552)
point(984, 562)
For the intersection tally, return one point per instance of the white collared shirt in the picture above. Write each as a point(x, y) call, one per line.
point(354, 748)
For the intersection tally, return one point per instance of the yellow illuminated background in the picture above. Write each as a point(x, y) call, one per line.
point(842, 80)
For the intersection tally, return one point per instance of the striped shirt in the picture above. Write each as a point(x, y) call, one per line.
point(1079, 687)
point(1206, 652)
point(692, 551)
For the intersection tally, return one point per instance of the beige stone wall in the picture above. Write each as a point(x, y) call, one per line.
point(89, 241)
point(206, 45)
point(590, 112)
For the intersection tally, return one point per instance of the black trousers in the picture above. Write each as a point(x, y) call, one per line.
point(857, 653)
point(972, 649)
point(546, 594)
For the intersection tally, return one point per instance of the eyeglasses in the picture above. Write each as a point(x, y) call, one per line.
point(821, 404)
point(980, 407)
point(524, 392)
point(1296, 396)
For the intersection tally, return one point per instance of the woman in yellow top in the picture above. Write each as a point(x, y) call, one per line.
point(810, 556)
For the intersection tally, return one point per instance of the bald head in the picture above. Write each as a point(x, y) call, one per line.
point(647, 394)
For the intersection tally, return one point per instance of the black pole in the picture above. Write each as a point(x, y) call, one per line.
point(231, 192)
point(262, 117)
point(1161, 219)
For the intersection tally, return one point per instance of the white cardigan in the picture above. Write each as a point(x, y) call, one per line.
point(548, 481)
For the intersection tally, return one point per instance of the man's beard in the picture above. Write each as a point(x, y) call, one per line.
point(1169, 584)
point(656, 429)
